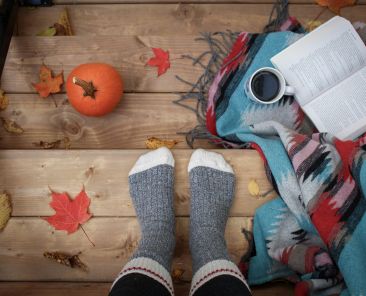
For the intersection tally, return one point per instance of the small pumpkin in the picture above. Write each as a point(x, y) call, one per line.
point(94, 89)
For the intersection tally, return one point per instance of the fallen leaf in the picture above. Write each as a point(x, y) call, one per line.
point(177, 274)
point(5, 209)
point(70, 214)
point(11, 126)
point(72, 261)
point(48, 145)
point(253, 188)
point(161, 60)
point(4, 101)
point(48, 84)
point(336, 5)
point(65, 22)
point(61, 28)
point(67, 143)
point(51, 31)
point(312, 25)
point(154, 143)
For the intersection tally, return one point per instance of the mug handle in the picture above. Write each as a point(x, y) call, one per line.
point(289, 90)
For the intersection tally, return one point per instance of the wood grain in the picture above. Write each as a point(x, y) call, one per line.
point(98, 289)
point(168, 19)
point(128, 54)
point(137, 117)
point(26, 175)
point(24, 240)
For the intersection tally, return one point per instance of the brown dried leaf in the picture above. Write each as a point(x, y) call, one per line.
point(154, 143)
point(72, 261)
point(11, 126)
point(48, 145)
point(177, 274)
point(59, 29)
point(5, 209)
point(64, 21)
point(4, 101)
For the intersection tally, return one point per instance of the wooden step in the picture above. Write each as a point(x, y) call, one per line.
point(169, 19)
point(98, 289)
point(24, 240)
point(137, 117)
point(128, 54)
point(26, 175)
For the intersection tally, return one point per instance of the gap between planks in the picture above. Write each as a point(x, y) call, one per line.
point(97, 289)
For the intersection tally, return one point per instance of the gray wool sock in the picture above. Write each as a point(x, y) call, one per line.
point(212, 183)
point(151, 188)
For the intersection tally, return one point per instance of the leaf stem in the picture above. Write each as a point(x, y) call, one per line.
point(320, 13)
point(81, 226)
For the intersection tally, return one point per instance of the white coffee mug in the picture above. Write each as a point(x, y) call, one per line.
point(281, 90)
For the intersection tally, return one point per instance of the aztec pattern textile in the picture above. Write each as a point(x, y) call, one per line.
point(314, 233)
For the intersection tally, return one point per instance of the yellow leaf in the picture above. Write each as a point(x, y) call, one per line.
point(154, 143)
point(312, 25)
point(12, 127)
point(177, 274)
point(51, 31)
point(253, 188)
point(5, 209)
point(67, 143)
point(4, 101)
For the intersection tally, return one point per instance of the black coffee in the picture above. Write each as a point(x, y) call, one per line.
point(265, 86)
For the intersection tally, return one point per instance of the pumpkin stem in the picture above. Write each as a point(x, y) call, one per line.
point(88, 87)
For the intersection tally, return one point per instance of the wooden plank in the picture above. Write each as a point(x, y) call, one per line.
point(97, 289)
point(128, 54)
point(137, 117)
point(24, 240)
point(26, 175)
point(163, 19)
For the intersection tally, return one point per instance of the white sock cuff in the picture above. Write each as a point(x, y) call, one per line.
point(150, 268)
point(151, 159)
point(209, 159)
point(213, 269)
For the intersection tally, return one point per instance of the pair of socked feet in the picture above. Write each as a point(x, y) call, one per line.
point(212, 184)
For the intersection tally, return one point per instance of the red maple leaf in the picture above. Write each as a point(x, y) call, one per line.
point(161, 60)
point(70, 214)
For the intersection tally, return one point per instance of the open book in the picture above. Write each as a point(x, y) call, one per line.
point(327, 68)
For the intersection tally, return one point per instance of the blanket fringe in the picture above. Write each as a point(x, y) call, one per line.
point(220, 44)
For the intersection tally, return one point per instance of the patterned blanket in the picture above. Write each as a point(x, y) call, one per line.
point(314, 233)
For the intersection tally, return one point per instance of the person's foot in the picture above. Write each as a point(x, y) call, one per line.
point(151, 188)
point(212, 183)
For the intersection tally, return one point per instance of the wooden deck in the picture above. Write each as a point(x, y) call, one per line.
point(104, 149)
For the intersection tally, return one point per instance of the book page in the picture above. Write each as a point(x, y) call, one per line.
point(341, 110)
point(321, 59)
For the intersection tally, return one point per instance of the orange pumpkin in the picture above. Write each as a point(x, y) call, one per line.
point(94, 89)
